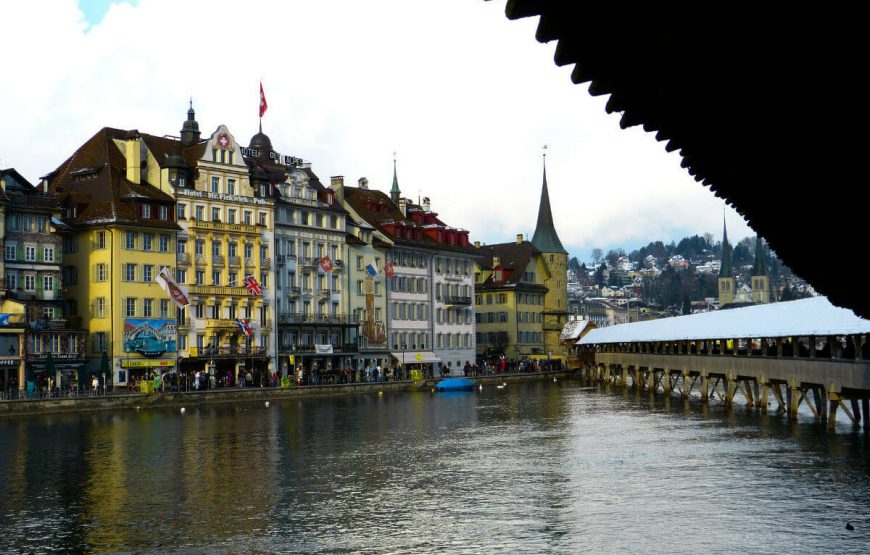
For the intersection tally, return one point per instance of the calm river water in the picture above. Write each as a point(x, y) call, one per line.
point(535, 468)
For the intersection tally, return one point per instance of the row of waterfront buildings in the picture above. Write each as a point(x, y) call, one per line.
point(351, 276)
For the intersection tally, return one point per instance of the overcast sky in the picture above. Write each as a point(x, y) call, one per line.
point(465, 97)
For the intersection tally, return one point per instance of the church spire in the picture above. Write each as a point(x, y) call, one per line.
point(395, 193)
point(759, 268)
point(545, 238)
point(726, 268)
point(190, 128)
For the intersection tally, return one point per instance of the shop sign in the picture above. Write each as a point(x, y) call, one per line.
point(126, 363)
point(10, 361)
point(323, 349)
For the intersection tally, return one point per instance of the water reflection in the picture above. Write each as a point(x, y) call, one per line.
point(535, 467)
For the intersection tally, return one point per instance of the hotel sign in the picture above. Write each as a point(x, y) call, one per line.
point(146, 363)
point(289, 161)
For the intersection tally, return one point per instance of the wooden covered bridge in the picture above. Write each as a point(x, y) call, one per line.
point(806, 351)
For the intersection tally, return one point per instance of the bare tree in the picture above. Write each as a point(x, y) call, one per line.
point(596, 255)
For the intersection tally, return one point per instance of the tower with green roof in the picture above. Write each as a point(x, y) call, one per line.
point(760, 280)
point(727, 283)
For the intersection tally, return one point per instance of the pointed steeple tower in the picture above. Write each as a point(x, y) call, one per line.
point(395, 193)
point(727, 283)
point(760, 281)
point(545, 238)
point(190, 128)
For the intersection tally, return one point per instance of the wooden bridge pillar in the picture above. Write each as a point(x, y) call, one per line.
point(794, 400)
point(684, 392)
point(705, 386)
point(730, 384)
point(666, 381)
point(624, 376)
point(762, 401)
point(865, 404)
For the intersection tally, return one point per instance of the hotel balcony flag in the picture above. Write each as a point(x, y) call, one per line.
point(252, 286)
point(245, 325)
point(325, 264)
point(263, 104)
point(167, 283)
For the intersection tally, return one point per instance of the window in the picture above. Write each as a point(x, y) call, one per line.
point(181, 211)
point(231, 216)
point(262, 218)
point(164, 213)
point(147, 305)
point(101, 273)
point(100, 307)
point(11, 251)
point(215, 184)
point(48, 283)
point(215, 214)
point(30, 253)
point(198, 247)
point(164, 308)
point(48, 254)
point(129, 272)
point(247, 217)
point(29, 282)
point(100, 342)
point(181, 247)
point(129, 240)
point(200, 277)
point(100, 240)
point(231, 186)
point(359, 262)
point(146, 210)
point(164, 243)
point(200, 311)
point(130, 307)
point(11, 280)
point(200, 213)
point(147, 273)
point(181, 276)
point(147, 241)
point(215, 278)
point(249, 251)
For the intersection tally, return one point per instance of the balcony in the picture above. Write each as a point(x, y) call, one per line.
point(183, 259)
point(222, 324)
point(463, 301)
point(235, 262)
point(293, 291)
point(305, 318)
point(322, 295)
point(230, 351)
point(249, 263)
point(307, 293)
point(279, 260)
point(217, 290)
point(201, 260)
point(219, 226)
point(217, 261)
point(266, 263)
point(33, 201)
point(338, 265)
point(310, 262)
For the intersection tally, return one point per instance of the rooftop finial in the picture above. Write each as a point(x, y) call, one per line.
point(395, 193)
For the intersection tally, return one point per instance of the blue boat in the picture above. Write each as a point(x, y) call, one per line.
point(455, 384)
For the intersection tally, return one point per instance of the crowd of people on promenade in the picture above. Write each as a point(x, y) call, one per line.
point(200, 380)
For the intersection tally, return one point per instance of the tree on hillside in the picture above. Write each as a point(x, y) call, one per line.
point(574, 265)
point(613, 256)
point(596, 255)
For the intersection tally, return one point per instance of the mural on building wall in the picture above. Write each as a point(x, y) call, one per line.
point(149, 337)
point(374, 332)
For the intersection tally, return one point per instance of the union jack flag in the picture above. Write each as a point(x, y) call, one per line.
point(246, 326)
point(252, 286)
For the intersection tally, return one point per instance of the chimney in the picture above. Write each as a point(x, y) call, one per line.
point(134, 158)
point(425, 204)
point(363, 183)
point(519, 238)
point(337, 184)
point(403, 206)
point(477, 244)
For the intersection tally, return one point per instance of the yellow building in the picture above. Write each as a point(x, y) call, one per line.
point(522, 292)
point(225, 207)
point(510, 299)
point(123, 231)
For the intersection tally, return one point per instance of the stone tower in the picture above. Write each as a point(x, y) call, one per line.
point(760, 280)
point(546, 240)
point(727, 283)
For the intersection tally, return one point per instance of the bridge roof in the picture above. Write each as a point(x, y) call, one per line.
point(814, 316)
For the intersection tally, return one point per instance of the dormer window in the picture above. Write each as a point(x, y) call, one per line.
point(146, 210)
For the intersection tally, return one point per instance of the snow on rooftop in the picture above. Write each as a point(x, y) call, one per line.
point(813, 316)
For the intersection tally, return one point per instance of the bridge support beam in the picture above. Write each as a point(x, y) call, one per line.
point(730, 388)
point(684, 392)
point(705, 386)
point(794, 400)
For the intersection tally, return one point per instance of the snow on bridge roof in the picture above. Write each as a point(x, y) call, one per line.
point(814, 316)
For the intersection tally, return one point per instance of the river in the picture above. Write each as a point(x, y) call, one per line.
point(536, 467)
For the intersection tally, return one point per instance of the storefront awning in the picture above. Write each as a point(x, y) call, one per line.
point(414, 357)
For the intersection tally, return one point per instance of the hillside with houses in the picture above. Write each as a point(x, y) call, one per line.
point(680, 277)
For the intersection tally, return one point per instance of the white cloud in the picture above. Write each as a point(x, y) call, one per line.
point(465, 96)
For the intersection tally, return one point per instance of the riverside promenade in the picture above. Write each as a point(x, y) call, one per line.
point(134, 401)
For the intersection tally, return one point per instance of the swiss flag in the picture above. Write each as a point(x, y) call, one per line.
point(388, 269)
point(263, 104)
point(325, 264)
